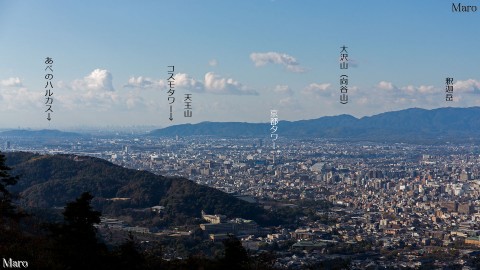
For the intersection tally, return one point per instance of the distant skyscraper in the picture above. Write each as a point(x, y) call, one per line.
point(7, 145)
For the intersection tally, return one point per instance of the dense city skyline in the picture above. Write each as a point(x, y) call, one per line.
point(389, 205)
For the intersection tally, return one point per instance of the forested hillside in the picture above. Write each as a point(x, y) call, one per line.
point(48, 181)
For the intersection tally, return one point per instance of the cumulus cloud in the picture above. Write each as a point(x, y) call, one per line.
point(469, 86)
point(317, 89)
point(219, 85)
point(212, 83)
point(384, 85)
point(186, 82)
point(422, 89)
point(409, 89)
point(11, 82)
point(181, 80)
point(94, 90)
point(283, 89)
point(389, 96)
point(97, 80)
point(289, 62)
point(15, 97)
point(426, 89)
point(20, 100)
point(144, 83)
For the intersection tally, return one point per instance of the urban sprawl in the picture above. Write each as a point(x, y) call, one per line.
point(398, 202)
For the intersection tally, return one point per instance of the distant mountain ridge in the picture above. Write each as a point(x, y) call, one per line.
point(43, 133)
point(451, 124)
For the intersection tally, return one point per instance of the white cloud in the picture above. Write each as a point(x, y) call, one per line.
point(144, 83)
point(317, 89)
point(95, 90)
point(388, 96)
point(21, 100)
point(289, 62)
point(426, 89)
point(283, 89)
point(353, 89)
point(98, 80)
point(421, 90)
point(132, 100)
point(384, 85)
point(99, 100)
point(212, 83)
point(184, 81)
point(11, 82)
point(217, 85)
point(289, 103)
point(409, 89)
point(362, 101)
point(469, 85)
point(181, 80)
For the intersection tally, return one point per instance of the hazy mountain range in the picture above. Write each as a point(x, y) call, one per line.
point(448, 124)
point(43, 133)
point(410, 125)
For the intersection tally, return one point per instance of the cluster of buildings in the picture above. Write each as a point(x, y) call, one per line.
point(218, 228)
point(412, 199)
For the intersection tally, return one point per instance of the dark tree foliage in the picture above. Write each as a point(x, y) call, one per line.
point(76, 244)
point(20, 236)
point(333, 264)
point(52, 181)
point(7, 209)
point(264, 261)
point(128, 257)
point(73, 243)
point(80, 216)
point(10, 232)
point(236, 257)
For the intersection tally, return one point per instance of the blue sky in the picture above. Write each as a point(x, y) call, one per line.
point(238, 59)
